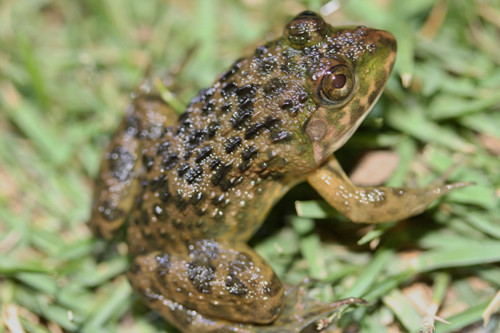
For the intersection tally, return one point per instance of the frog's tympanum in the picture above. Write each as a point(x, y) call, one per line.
point(194, 188)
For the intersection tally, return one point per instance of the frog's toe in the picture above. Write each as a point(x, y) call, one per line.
point(302, 311)
point(441, 189)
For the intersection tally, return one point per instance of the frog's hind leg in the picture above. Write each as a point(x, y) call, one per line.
point(226, 282)
point(373, 204)
point(146, 118)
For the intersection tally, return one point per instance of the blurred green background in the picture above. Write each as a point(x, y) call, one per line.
point(66, 72)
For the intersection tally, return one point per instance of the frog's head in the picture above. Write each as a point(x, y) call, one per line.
point(346, 71)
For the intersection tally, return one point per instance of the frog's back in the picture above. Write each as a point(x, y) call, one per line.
point(226, 152)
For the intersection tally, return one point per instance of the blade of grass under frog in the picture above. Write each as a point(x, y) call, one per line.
point(370, 273)
point(474, 254)
point(403, 310)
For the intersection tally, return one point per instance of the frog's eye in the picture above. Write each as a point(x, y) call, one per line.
point(337, 84)
point(306, 29)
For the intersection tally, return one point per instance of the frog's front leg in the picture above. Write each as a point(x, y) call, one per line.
point(147, 117)
point(372, 204)
point(208, 285)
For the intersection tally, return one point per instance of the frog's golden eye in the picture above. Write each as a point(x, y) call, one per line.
point(337, 84)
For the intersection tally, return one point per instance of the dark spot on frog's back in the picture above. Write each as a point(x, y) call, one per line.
point(214, 164)
point(158, 183)
point(201, 273)
point(121, 163)
point(148, 162)
point(194, 139)
point(162, 148)
point(232, 143)
point(179, 202)
point(241, 263)
point(194, 175)
point(203, 153)
point(228, 89)
point(247, 92)
point(287, 104)
point(196, 198)
point(209, 106)
point(281, 136)
point(246, 99)
point(226, 107)
point(244, 112)
point(231, 71)
point(185, 123)
point(218, 200)
point(235, 286)
point(254, 129)
point(212, 129)
point(220, 173)
point(183, 168)
point(170, 161)
point(267, 65)
point(302, 97)
point(249, 152)
point(274, 87)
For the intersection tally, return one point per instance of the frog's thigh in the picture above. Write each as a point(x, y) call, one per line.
point(371, 204)
point(146, 117)
point(221, 281)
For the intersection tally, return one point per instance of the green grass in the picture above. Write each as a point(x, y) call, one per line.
point(66, 70)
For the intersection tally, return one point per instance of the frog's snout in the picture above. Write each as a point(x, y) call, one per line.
point(382, 48)
point(387, 39)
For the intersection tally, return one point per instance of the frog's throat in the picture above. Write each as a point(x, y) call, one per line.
point(327, 138)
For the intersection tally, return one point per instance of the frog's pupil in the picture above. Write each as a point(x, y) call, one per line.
point(338, 81)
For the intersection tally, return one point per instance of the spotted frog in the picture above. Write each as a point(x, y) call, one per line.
point(194, 188)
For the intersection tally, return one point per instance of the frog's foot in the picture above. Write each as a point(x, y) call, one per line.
point(301, 311)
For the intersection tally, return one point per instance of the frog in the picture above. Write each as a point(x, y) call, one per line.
point(190, 190)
